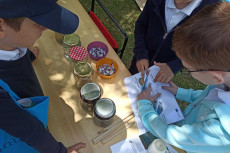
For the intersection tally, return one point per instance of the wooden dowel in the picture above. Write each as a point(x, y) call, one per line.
point(107, 132)
point(117, 133)
point(114, 123)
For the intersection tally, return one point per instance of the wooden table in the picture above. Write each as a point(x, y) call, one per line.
point(67, 122)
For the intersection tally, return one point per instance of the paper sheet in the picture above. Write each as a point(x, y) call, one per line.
point(166, 105)
point(134, 145)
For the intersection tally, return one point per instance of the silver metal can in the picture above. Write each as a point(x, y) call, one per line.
point(104, 111)
point(89, 94)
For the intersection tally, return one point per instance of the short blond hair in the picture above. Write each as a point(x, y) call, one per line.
point(204, 40)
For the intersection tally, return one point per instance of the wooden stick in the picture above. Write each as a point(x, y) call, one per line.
point(107, 128)
point(117, 133)
point(100, 137)
point(114, 123)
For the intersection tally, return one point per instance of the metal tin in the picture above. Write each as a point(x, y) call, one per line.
point(89, 93)
point(157, 146)
point(82, 73)
point(70, 41)
point(104, 111)
point(78, 54)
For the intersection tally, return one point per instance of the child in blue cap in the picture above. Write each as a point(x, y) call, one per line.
point(21, 24)
point(203, 45)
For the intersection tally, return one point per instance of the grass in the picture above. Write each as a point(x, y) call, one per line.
point(126, 13)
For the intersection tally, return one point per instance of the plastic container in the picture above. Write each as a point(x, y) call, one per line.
point(109, 62)
point(97, 50)
point(78, 54)
point(70, 41)
point(104, 111)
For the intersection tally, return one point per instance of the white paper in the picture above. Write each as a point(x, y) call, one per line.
point(130, 145)
point(134, 145)
point(133, 88)
point(166, 105)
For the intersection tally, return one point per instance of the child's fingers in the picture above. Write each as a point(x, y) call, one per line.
point(167, 80)
point(80, 146)
point(172, 84)
point(149, 90)
point(158, 77)
point(166, 88)
point(142, 73)
point(155, 97)
point(147, 69)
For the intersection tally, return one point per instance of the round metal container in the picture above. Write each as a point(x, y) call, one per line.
point(157, 146)
point(104, 111)
point(70, 41)
point(82, 73)
point(89, 93)
point(78, 54)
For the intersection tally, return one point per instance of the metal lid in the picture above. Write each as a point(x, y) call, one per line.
point(78, 53)
point(160, 145)
point(83, 69)
point(105, 108)
point(90, 91)
point(71, 39)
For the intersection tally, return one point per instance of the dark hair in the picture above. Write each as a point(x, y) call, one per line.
point(14, 23)
point(204, 40)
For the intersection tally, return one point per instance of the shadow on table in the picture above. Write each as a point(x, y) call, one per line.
point(113, 133)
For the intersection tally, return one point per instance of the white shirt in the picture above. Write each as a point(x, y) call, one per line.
point(12, 55)
point(173, 15)
point(219, 94)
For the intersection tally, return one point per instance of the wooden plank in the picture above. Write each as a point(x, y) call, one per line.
point(67, 121)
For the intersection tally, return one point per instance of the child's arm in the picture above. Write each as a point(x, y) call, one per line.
point(188, 95)
point(198, 137)
point(19, 123)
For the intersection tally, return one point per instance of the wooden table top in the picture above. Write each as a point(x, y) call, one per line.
point(67, 121)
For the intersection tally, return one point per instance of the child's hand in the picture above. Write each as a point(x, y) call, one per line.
point(146, 94)
point(142, 66)
point(165, 74)
point(76, 147)
point(172, 88)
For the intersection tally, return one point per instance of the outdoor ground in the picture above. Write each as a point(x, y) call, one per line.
point(126, 13)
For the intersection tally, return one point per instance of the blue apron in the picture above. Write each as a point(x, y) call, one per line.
point(10, 144)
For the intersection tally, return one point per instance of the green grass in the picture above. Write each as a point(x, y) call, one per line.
point(126, 13)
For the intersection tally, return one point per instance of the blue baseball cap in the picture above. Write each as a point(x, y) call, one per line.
point(44, 12)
